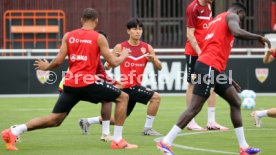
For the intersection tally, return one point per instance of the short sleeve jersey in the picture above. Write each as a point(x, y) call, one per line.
point(198, 17)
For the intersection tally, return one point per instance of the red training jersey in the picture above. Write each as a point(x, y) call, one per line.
point(133, 66)
point(218, 43)
point(83, 56)
point(198, 17)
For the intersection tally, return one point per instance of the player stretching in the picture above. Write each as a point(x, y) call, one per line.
point(131, 76)
point(106, 107)
point(198, 15)
point(83, 47)
point(209, 70)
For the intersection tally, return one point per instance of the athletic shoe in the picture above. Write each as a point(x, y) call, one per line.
point(151, 132)
point(106, 138)
point(216, 126)
point(194, 126)
point(9, 139)
point(164, 148)
point(84, 125)
point(257, 120)
point(249, 151)
point(122, 145)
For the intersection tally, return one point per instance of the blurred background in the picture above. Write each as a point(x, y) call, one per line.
point(32, 29)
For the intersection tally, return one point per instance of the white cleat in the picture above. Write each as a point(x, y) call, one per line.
point(106, 138)
point(257, 120)
point(194, 126)
point(216, 126)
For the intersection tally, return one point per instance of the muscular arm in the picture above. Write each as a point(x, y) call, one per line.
point(192, 39)
point(233, 22)
point(58, 60)
point(156, 62)
point(112, 60)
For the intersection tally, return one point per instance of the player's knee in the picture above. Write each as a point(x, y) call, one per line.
point(156, 97)
point(124, 97)
point(55, 121)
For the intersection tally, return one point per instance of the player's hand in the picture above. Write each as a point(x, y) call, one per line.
point(118, 84)
point(41, 64)
point(124, 53)
point(272, 50)
point(264, 40)
point(150, 58)
point(237, 86)
point(107, 66)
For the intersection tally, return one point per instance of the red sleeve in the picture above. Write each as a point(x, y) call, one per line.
point(102, 74)
point(191, 17)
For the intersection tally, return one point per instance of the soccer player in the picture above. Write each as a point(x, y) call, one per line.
point(106, 106)
point(131, 76)
point(83, 47)
point(209, 70)
point(269, 57)
point(198, 15)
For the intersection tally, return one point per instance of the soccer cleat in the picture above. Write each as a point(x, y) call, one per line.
point(84, 125)
point(164, 148)
point(194, 126)
point(9, 139)
point(216, 126)
point(249, 151)
point(257, 120)
point(106, 138)
point(122, 145)
point(151, 132)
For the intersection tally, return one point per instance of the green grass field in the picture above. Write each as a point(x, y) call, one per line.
point(67, 139)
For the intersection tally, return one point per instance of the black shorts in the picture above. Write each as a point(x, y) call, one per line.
point(208, 77)
point(190, 62)
point(137, 94)
point(94, 93)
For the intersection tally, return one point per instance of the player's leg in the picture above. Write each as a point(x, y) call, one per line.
point(201, 93)
point(107, 92)
point(190, 63)
point(212, 124)
point(259, 114)
point(104, 119)
point(62, 108)
point(229, 93)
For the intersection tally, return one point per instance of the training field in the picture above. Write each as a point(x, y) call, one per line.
point(67, 139)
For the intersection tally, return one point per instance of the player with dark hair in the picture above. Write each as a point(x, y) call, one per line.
point(257, 115)
point(106, 107)
point(132, 70)
point(209, 70)
point(83, 47)
point(198, 15)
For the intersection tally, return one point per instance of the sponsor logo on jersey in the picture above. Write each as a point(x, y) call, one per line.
point(143, 50)
point(261, 74)
point(74, 57)
point(73, 40)
point(131, 64)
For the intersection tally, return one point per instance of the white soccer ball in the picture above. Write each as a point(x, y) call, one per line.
point(248, 103)
point(248, 94)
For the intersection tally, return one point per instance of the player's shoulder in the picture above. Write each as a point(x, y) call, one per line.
point(192, 7)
